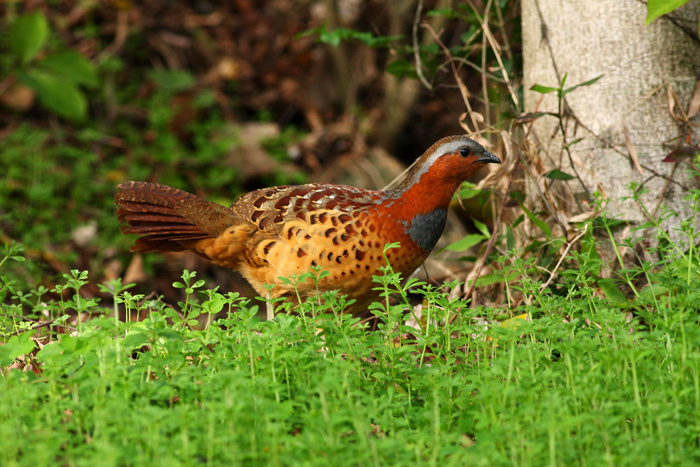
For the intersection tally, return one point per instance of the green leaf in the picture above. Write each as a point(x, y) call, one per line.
point(557, 174)
point(585, 83)
point(510, 238)
point(401, 68)
point(651, 291)
point(543, 89)
point(467, 191)
point(656, 8)
point(446, 12)
point(538, 222)
point(56, 94)
point(73, 67)
point(15, 347)
point(588, 249)
point(489, 279)
point(465, 243)
point(482, 228)
point(27, 35)
point(135, 339)
point(172, 80)
point(612, 293)
point(343, 34)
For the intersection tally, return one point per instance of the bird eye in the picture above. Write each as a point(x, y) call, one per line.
point(464, 152)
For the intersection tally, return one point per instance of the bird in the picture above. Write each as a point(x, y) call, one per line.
point(284, 231)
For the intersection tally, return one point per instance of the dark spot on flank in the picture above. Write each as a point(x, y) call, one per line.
point(278, 218)
point(264, 222)
point(290, 233)
point(330, 256)
point(367, 267)
point(283, 202)
point(372, 228)
point(363, 233)
point(345, 253)
point(301, 253)
point(329, 232)
point(316, 196)
point(338, 260)
point(331, 204)
point(313, 262)
point(359, 255)
point(344, 237)
point(349, 230)
point(298, 192)
point(377, 245)
point(307, 236)
point(313, 218)
point(323, 217)
point(256, 215)
point(344, 218)
point(335, 241)
point(268, 247)
point(357, 266)
point(334, 221)
point(358, 224)
point(258, 202)
point(352, 272)
point(362, 243)
point(342, 273)
point(300, 214)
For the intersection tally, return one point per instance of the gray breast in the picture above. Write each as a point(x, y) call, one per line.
point(425, 229)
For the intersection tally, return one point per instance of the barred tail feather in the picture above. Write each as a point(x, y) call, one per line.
point(150, 210)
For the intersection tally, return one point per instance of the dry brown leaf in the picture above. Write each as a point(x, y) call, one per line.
point(135, 272)
point(694, 104)
point(583, 217)
point(671, 101)
point(632, 150)
point(18, 97)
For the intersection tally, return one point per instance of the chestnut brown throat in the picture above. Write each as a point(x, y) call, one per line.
point(284, 231)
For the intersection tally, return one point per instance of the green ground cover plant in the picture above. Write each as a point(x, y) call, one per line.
point(588, 358)
point(587, 379)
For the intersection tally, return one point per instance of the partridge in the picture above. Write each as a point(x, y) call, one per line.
point(283, 231)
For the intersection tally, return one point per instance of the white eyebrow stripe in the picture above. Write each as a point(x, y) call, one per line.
point(446, 148)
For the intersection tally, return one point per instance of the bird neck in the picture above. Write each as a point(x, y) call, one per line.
point(424, 190)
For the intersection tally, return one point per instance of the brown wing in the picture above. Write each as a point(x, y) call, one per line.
point(299, 227)
point(270, 208)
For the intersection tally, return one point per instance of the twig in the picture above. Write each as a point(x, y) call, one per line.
point(561, 109)
point(488, 35)
point(568, 246)
point(666, 185)
point(460, 84)
point(416, 50)
point(489, 246)
point(610, 145)
point(39, 326)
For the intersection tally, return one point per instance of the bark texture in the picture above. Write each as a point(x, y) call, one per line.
point(641, 66)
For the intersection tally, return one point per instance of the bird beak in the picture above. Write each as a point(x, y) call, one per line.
point(488, 158)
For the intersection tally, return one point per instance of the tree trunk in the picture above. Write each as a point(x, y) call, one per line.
point(625, 113)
